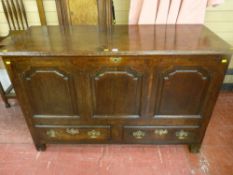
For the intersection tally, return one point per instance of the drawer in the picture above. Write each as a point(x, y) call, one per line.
point(73, 133)
point(159, 134)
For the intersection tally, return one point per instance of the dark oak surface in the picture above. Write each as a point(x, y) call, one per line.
point(160, 87)
point(129, 40)
point(73, 12)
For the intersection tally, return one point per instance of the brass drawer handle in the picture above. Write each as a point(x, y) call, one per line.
point(182, 134)
point(72, 131)
point(139, 134)
point(51, 133)
point(93, 134)
point(115, 59)
point(161, 132)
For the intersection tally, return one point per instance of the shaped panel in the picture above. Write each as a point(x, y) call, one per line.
point(116, 93)
point(51, 91)
point(181, 91)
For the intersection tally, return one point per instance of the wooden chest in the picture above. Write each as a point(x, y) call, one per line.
point(131, 84)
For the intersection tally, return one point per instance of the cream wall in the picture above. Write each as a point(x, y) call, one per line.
point(219, 19)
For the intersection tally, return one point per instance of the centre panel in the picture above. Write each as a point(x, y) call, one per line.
point(116, 93)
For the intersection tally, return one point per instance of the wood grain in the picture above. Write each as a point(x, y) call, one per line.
point(158, 90)
point(41, 11)
point(83, 12)
point(72, 12)
point(137, 40)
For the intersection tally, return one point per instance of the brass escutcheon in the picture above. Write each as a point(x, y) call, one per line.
point(93, 134)
point(139, 134)
point(161, 132)
point(72, 131)
point(182, 134)
point(115, 59)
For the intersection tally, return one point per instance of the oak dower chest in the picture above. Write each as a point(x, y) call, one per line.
point(131, 84)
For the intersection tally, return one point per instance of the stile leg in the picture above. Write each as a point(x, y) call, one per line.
point(3, 95)
point(40, 147)
point(194, 148)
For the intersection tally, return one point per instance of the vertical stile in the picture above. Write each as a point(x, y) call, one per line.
point(11, 14)
point(6, 14)
point(40, 7)
point(15, 14)
point(20, 14)
point(24, 13)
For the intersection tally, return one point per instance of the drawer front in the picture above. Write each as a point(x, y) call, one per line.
point(157, 134)
point(73, 133)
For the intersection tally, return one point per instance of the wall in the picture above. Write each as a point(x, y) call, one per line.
point(219, 19)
